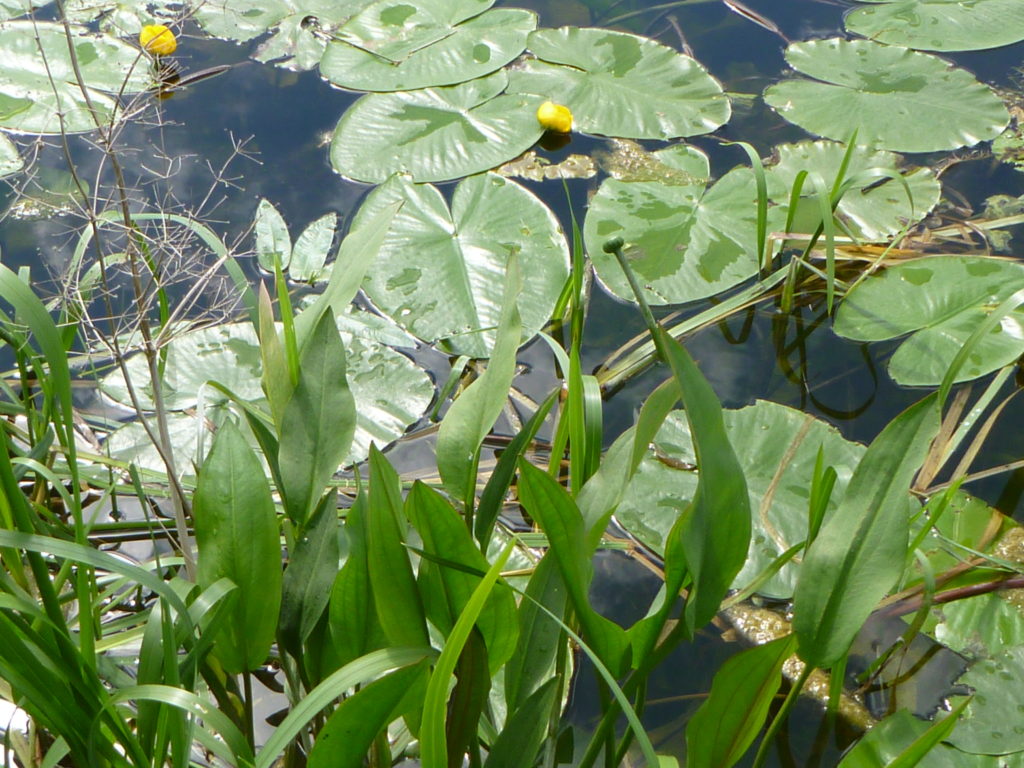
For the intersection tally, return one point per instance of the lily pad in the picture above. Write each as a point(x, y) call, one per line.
point(777, 447)
point(394, 45)
point(877, 208)
point(121, 17)
point(687, 242)
point(42, 96)
point(390, 390)
point(993, 723)
point(439, 273)
point(10, 159)
point(940, 25)
point(132, 443)
point(940, 301)
point(983, 625)
point(894, 97)
point(299, 29)
point(435, 134)
point(684, 241)
point(886, 742)
point(623, 85)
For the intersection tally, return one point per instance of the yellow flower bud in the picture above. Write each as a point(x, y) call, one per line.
point(158, 40)
point(554, 117)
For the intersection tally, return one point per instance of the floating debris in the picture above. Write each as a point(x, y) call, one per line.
point(536, 168)
point(628, 161)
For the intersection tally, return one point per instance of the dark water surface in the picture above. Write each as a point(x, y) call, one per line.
point(285, 118)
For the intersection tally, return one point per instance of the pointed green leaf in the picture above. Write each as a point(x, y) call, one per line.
point(238, 538)
point(312, 568)
point(445, 535)
point(729, 720)
point(273, 243)
point(859, 553)
point(393, 586)
point(311, 248)
point(556, 513)
point(318, 422)
point(346, 737)
point(716, 528)
point(471, 416)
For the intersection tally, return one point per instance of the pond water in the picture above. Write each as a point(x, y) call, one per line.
point(269, 128)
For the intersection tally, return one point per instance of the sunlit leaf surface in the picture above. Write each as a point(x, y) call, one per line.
point(940, 301)
point(391, 391)
point(435, 134)
point(940, 25)
point(41, 94)
point(622, 85)
point(395, 45)
point(440, 272)
point(777, 447)
point(894, 97)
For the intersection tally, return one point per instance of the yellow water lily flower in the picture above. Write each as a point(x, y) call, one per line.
point(158, 40)
point(554, 117)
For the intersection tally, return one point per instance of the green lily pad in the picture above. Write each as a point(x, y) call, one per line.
point(879, 206)
point(684, 241)
point(940, 301)
point(993, 723)
point(622, 85)
point(894, 97)
point(766, 437)
point(42, 96)
point(984, 625)
point(687, 242)
point(10, 9)
point(299, 29)
point(940, 25)
point(132, 443)
point(886, 742)
point(394, 45)
point(454, 297)
point(390, 390)
point(10, 159)
point(435, 134)
point(122, 17)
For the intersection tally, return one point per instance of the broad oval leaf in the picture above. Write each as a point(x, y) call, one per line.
point(273, 243)
point(238, 538)
point(940, 301)
point(729, 720)
point(41, 94)
point(617, 84)
point(455, 297)
point(939, 25)
point(311, 249)
point(688, 242)
point(394, 45)
point(435, 134)
point(777, 447)
point(860, 552)
point(894, 97)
